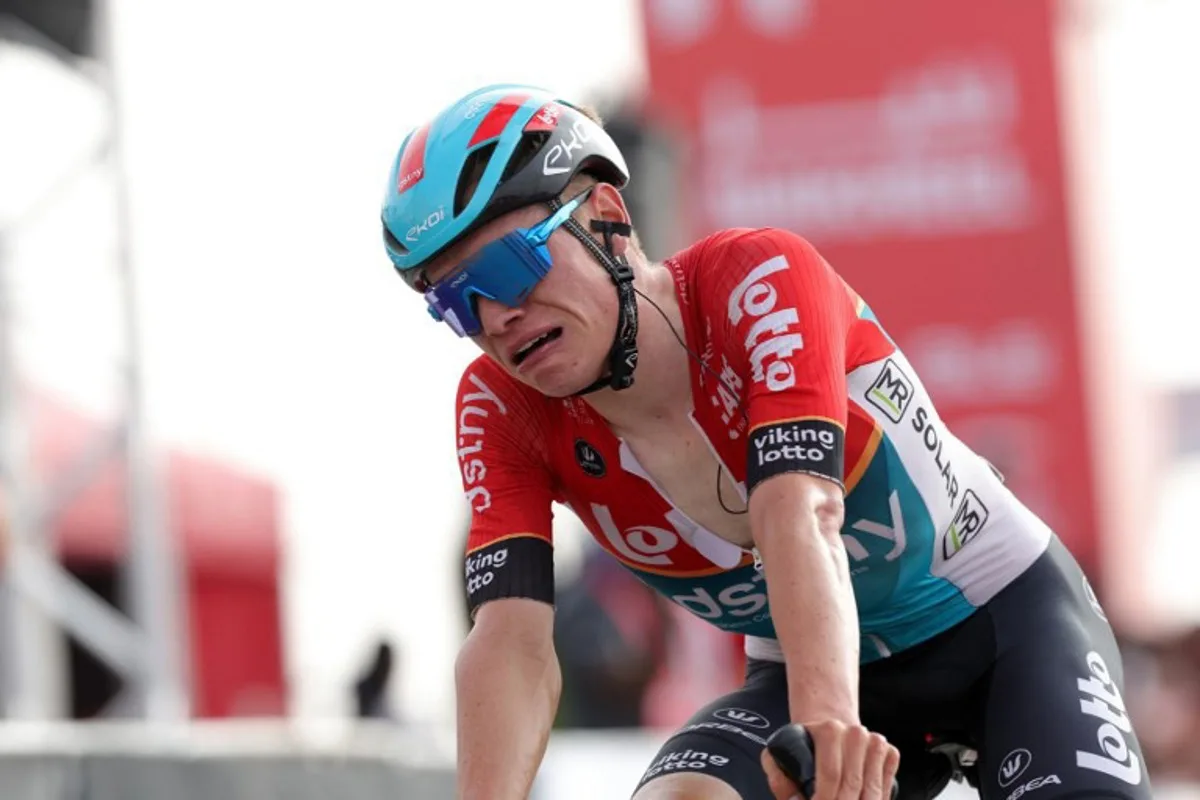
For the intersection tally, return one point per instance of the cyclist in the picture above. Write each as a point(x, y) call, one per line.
point(734, 426)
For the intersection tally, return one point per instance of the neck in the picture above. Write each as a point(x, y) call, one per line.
point(661, 391)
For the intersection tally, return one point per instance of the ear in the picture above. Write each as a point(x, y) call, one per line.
point(606, 203)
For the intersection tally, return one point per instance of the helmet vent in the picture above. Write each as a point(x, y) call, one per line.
point(468, 179)
point(531, 144)
point(392, 242)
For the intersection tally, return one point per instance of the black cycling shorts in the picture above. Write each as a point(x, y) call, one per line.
point(1032, 680)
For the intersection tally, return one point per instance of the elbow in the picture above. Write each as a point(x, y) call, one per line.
point(785, 502)
point(481, 669)
point(830, 513)
point(470, 653)
point(553, 681)
point(528, 649)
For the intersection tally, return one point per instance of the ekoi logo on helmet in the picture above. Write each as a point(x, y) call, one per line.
point(560, 158)
point(424, 225)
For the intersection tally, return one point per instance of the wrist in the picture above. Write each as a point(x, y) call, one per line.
point(813, 703)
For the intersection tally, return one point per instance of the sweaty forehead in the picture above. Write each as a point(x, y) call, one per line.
point(448, 261)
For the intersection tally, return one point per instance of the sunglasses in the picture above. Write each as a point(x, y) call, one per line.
point(505, 270)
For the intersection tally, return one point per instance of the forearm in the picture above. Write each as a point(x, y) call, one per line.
point(812, 606)
point(507, 699)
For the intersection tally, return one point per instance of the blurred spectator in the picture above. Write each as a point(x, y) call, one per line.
point(611, 633)
point(371, 689)
point(653, 155)
point(703, 662)
point(1162, 690)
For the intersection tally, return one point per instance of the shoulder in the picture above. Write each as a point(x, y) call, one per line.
point(753, 267)
point(484, 375)
point(487, 392)
point(734, 253)
point(483, 380)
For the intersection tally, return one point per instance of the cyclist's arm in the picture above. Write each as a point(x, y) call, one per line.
point(790, 318)
point(506, 677)
point(796, 519)
point(508, 684)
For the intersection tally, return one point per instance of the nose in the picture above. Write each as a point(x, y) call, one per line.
point(495, 317)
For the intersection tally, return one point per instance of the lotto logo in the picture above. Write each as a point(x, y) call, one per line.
point(685, 761)
point(1101, 700)
point(481, 568)
point(807, 445)
point(641, 544)
point(771, 333)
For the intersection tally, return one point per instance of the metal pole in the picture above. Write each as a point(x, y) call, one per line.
point(34, 650)
point(153, 578)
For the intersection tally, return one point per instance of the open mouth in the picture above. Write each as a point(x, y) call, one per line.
point(528, 350)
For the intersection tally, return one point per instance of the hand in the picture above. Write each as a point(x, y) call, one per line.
point(852, 764)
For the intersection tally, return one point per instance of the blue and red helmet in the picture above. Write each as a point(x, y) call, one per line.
point(498, 149)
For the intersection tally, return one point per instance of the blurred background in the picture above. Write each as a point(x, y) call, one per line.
point(231, 521)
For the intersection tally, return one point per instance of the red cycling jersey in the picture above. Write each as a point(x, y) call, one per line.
point(782, 344)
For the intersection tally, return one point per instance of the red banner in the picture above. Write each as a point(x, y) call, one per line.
point(918, 146)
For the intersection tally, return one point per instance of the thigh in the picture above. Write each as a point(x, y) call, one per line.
point(723, 740)
point(1054, 722)
point(720, 746)
point(926, 696)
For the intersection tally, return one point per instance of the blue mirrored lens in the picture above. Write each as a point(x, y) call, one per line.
point(505, 270)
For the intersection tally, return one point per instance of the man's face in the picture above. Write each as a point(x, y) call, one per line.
point(557, 341)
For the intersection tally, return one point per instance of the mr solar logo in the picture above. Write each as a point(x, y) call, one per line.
point(771, 339)
point(926, 424)
point(561, 156)
point(968, 521)
point(891, 392)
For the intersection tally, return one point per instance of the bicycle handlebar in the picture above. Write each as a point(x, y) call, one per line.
point(792, 748)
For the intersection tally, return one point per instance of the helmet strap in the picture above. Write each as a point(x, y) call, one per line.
point(623, 355)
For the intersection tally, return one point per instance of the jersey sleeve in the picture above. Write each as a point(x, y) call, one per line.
point(789, 317)
point(508, 486)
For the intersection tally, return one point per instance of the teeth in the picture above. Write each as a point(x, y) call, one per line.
point(533, 344)
point(521, 354)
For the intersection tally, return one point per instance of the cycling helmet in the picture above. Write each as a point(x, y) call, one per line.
point(498, 149)
point(501, 148)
